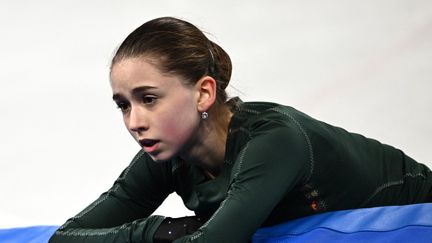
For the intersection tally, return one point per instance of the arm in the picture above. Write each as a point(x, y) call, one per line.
point(268, 167)
point(122, 213)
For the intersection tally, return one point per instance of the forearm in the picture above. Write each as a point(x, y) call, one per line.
point(123, 213)
point(141, 230)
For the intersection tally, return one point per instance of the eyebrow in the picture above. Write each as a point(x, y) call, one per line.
point(135, 92)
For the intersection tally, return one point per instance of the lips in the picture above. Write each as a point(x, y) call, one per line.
point(149, 145)
point(147, 142)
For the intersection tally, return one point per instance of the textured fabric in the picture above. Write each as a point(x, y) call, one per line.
point(280, 164)
point(410, 223)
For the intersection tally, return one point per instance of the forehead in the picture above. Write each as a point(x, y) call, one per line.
point(132, 72)
point(131, 68)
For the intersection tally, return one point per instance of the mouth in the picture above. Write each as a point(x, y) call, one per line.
point(149, 145)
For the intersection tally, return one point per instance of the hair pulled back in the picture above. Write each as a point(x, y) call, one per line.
point(179, 48)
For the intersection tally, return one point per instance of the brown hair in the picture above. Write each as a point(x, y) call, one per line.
point(180, 48)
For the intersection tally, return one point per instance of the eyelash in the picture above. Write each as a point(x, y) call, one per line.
point(145, 99)
point(148, 99)
point(123, 106)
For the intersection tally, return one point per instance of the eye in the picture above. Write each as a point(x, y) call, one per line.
point(123, 106)
point(148, 99)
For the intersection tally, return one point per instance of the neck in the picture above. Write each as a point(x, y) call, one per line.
point(208, 152)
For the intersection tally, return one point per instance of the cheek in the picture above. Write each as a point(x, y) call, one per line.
point(169, 127)
point(179, 125)
point(181, 122)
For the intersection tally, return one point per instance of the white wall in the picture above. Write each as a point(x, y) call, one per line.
point(363, 65)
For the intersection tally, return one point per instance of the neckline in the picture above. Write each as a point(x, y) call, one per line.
point(235, 106)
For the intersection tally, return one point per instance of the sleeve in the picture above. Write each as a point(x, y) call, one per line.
point(268, 167)
point(122, 214)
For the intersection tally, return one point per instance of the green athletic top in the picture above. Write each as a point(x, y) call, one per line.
point(280, 164)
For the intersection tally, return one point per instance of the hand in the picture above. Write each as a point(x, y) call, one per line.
point(174, 228)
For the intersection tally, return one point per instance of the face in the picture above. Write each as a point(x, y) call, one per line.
point(158, 109)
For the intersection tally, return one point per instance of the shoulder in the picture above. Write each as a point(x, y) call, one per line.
point(269, 134)
point(259, 117)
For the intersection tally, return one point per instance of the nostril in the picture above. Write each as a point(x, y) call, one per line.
point(138, 129)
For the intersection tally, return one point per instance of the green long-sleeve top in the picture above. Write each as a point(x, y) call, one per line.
point(280, 164)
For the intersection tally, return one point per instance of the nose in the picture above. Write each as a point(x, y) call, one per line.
point(137, 120)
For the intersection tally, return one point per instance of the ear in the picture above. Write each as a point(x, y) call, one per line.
point(206, 89)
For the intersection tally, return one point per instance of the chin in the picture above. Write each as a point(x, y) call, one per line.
point(160, 157)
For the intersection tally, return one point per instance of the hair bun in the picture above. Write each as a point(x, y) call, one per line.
point(223, 65)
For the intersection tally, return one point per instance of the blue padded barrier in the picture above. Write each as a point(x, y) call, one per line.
point(410, 223)
point(33, 234)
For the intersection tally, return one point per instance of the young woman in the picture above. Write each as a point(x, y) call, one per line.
point(238, 165)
